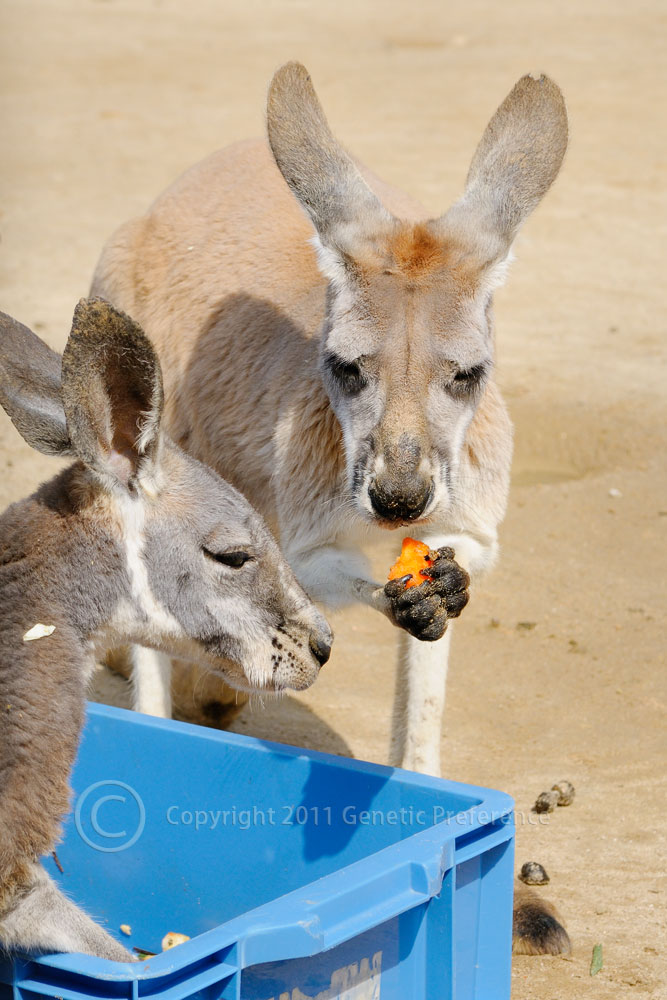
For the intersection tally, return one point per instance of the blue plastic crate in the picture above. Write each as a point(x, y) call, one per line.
point(297, 875)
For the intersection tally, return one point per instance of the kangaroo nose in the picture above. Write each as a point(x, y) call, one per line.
point(405, 503)
point(320, 648)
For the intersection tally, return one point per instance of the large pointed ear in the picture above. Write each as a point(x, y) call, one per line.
point(514, 166)
point(30, 388)
point(319, 172)
point(112, 393)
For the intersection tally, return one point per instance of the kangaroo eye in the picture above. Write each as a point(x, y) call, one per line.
point(233, 559)
point(470, 375)
point(468, 379)
point(347, 374)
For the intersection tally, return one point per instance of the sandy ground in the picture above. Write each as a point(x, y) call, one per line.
point(105, 101)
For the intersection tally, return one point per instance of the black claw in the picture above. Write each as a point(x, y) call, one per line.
point(396, 587)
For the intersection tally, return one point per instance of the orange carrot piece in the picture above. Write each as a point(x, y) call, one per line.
point(414, 559)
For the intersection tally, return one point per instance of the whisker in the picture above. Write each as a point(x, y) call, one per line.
point(199, 682)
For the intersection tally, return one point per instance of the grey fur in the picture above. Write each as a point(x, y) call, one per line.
point(113, 407)
point(319, 172)
point(119, 546)
point(515, 164)
point(30, 388)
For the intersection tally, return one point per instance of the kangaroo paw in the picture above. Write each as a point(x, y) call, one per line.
point(43, 920)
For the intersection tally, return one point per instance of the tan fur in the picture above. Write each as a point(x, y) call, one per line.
point(221, 274)
point(213, 286)
point(420, 254)
point(416, 251)
point(198, 696)
point(268, 279)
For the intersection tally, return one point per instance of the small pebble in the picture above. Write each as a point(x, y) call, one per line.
point(532, 873)
point(565, 790)
point(613, 492)
point(546, 802)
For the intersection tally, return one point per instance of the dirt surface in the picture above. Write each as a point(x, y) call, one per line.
point(558, 667)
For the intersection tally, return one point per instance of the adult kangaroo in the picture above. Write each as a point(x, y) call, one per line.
point(331, 354)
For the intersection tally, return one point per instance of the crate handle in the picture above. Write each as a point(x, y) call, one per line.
point(363, 895)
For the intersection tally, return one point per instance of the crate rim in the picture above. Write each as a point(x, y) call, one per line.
point(504, 801)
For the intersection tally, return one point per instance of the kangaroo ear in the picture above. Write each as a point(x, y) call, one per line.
point(514, 166)
point(112, 393)
point(319, 172)
point(30, 388)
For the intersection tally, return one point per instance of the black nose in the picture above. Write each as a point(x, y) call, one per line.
point(405, 503)
point(320, 650)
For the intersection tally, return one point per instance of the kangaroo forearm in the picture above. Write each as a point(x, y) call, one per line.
point(337, 577)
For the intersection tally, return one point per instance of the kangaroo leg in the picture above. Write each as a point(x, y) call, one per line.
point(419, 704)
point(151, 681)
point(422, 680)
point(44, 920)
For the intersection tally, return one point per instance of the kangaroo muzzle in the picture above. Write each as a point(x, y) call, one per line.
point(401, 491)
point(405, 501)
point(320, 648)
point(319, 636)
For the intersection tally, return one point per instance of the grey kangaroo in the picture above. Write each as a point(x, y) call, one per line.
point(135, 541)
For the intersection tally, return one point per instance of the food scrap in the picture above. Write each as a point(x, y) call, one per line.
point(414, 560)
point(172, 938)
point(125, 929)
point(38, 631)
point(142, 954)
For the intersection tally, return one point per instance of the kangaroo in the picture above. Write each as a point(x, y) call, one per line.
point(135, 541)
point(332, 354)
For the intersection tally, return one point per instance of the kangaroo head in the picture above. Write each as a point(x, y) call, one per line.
point(202, 577)
point(407, 342)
